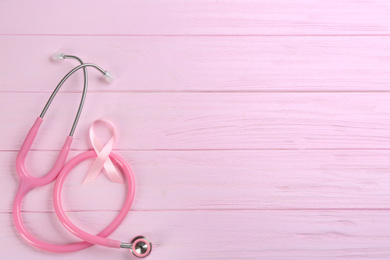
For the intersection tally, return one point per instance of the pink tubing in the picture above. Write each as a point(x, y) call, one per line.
point(26, 180)
point(94, 239)
point(29, 182)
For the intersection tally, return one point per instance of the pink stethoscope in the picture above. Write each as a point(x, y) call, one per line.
point(140, 246)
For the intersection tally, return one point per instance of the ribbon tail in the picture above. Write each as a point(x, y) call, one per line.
point(101, 158)
point(112, 173)
point(92, 173)
point(97, 166)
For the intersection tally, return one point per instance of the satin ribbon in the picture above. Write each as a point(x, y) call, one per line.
point(103, 152)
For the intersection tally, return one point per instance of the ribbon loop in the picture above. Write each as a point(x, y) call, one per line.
point(102, 155)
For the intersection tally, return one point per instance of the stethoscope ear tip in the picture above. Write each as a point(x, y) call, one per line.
point(58, 56)
point(141, 247)
point(108, 77)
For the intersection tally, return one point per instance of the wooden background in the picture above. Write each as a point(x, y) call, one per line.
point(256, 129)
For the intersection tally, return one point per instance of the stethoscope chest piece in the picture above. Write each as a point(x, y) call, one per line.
point(141, 246)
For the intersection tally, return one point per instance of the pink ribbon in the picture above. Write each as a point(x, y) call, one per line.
point(103, 152)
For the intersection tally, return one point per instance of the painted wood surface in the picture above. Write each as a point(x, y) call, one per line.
point(203, 234)
point(208, 63)
point(193, 17)
point(229, 180)
point(256, 129)
point(208, 121)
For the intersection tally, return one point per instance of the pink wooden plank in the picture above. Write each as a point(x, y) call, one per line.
point(189, 180)
point(207, 120)
point(200, 63)
point(206, 17)
point(219, 234)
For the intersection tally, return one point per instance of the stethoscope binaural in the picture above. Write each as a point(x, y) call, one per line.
point(140, 246)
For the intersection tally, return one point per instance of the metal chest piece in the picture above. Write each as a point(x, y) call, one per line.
point(141, 246)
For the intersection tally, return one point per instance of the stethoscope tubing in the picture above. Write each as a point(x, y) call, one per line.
point(60, 171)
point(66, 248)
point(83, 96)
point(98, 240)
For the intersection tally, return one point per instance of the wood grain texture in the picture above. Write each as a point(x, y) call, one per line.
point(268, 234)
point(256, 129)
point(192, 17)
point(198, 180)
point(183, 64)
point(207, 120)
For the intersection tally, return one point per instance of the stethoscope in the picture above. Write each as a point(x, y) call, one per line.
point(140, 246)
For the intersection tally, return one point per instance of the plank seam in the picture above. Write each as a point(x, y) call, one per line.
point(211, 150)
point(201, 35)
point(209, 210)
point(209, 91)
